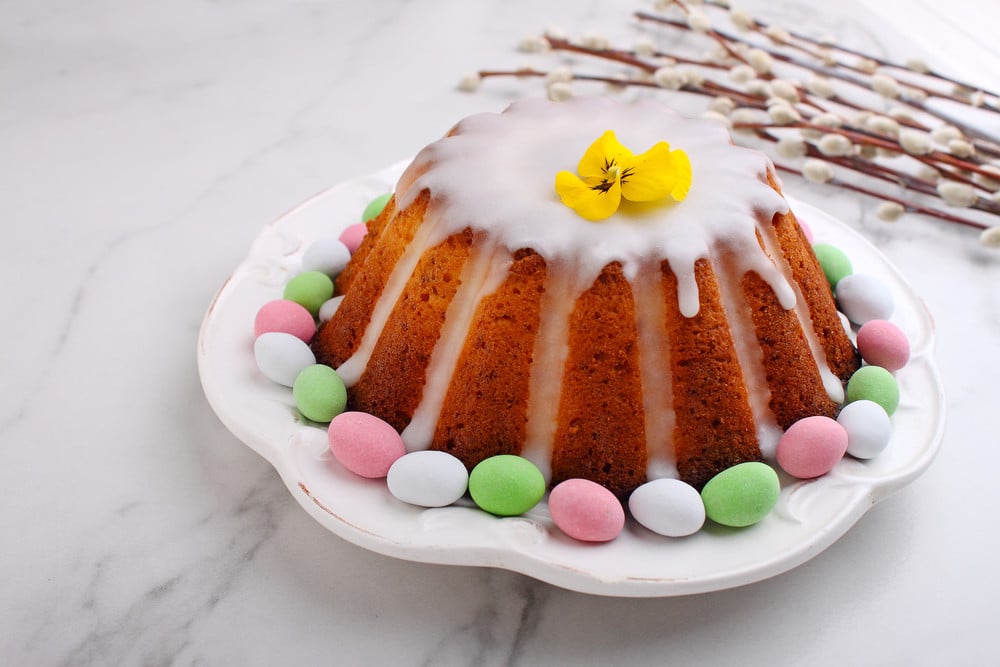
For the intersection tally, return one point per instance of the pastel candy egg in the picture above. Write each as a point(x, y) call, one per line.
point(811, 447)
point(319, 393)
point(835, 264)
point(364, 444)
point(846, 323)
point(882, 344)
point(328, 256)
point(284, 316)
point(741, 495)
point(806, 229)
point(864, 297)
point(506, 485)
point(375, 207)
point(330, 307)
point(874, 383)
point(309, 289)
point(586, 511)
point(668, 507)
point(868, 428)
point(428, 478)
point(353, 235)
point(281, 356)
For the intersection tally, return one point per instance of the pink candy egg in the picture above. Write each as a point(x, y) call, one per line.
point(284, 316)
point(364, 444)
point(806, 229)
point(586, 511)
point(353, 235)
point(881, 343)
point(811, 447)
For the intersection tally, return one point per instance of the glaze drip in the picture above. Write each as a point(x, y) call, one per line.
point(495, 172)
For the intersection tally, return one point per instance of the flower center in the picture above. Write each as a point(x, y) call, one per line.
point(609, 172)
point(613, 174)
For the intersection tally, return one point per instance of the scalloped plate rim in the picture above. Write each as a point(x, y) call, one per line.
point(531, 545)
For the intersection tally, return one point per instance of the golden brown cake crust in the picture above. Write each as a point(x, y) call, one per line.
point(714, 427)
point(393, 382)
point(375, 227)
point(841, 356)
point(485, 408)
point(601, 431)
point(796, 388)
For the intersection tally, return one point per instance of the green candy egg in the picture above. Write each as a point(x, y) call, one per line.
point(319, 393)
point(375, 207)
point(741, 495)
point(833, 261)
point(506, 485)
point(310, 290)
point(874, 383)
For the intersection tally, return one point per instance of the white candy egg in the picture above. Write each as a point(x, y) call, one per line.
point(845, 322)
point(428, 478)
point(328, 256)
point(863, 297)
point(281, 356)
point(868, 428)
point(329, 307)
point(668, 507)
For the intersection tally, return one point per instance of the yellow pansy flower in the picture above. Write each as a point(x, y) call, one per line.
point(608, 171)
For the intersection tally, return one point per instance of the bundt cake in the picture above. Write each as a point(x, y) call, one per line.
point(482, 316)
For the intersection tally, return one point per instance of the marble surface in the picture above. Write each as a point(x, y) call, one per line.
point(146, 144)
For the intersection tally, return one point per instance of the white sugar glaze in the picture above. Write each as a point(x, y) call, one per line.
point(496, 172)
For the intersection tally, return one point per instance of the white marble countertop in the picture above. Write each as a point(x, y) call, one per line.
point(145, 145)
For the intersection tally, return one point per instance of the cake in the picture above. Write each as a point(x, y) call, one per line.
point(482, 316)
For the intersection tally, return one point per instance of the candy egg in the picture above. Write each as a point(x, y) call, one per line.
point(375, 207)
point(319, 393)
point(811, 447)
point(285, 316)
point(353, 235)
point(882, 344)
point(281, 356)
point(668, 507)
point(586, 511)
point(328, 256)
point(309, 289)
point(506, 485)
point(806, 229)
point(874, 383)
point(868, 428)
point(741, 495)
point(428, 478)
point(364, 444)
point(833, 261)
point(330, 307)
point(864, 297)
point(846, 323)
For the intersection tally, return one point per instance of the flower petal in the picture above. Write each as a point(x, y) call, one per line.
point(682, 172)
point(649, 177)
point(589, 202)
point(604, 151)
point(656, 174)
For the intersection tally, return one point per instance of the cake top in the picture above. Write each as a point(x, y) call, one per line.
point(496, 172)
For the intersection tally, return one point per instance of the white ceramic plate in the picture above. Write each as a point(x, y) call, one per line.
point(808, 518)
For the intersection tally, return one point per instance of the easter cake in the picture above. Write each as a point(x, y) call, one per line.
point(659, 314)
